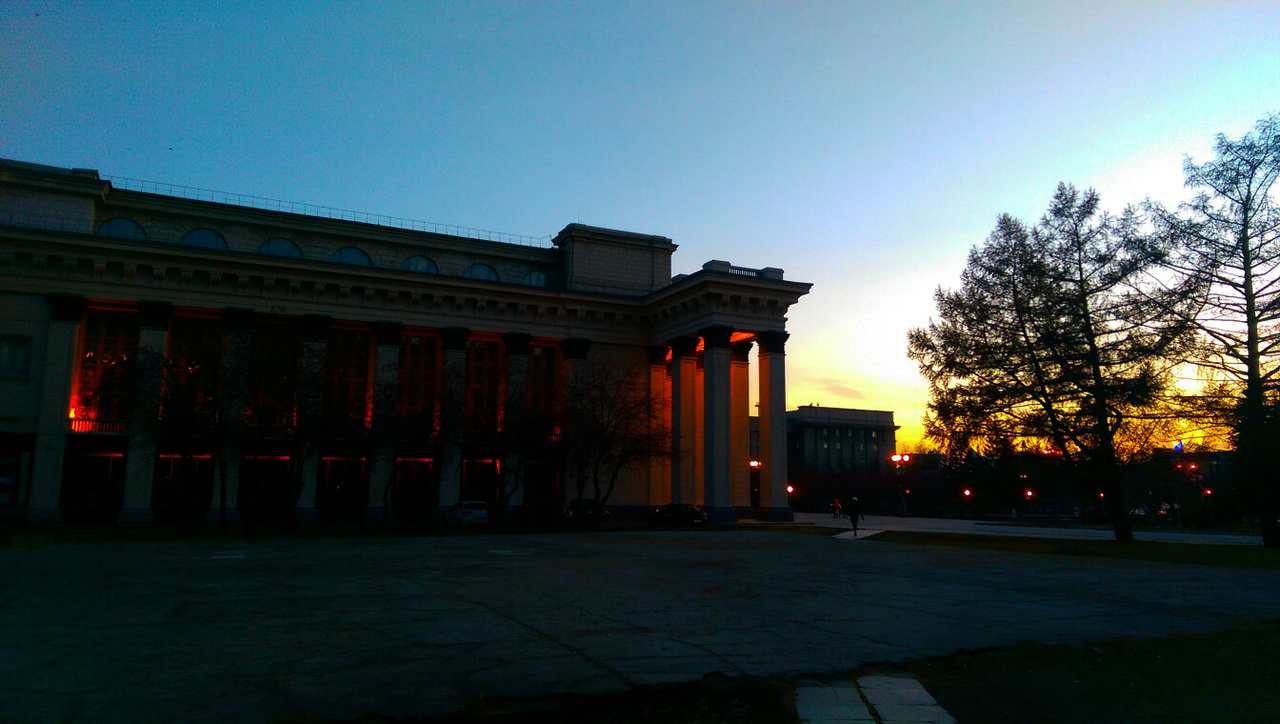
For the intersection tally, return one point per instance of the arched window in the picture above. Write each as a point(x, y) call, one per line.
point(420, 264)
point(481, 271)
point(351, 255)
point(205, 239)
point(122, 228)
point(280, 247)
point(537, 279)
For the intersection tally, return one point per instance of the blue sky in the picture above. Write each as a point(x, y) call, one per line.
point(861, 146)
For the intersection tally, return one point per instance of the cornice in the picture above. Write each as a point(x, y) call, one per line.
point(749, 303)
point(43, 262)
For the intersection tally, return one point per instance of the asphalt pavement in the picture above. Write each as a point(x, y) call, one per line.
point(253, 630)
point(876, 523)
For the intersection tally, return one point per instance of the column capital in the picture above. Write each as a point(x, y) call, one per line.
point(315, 327)
point(155, 315)
point(772, 342)
point(740, 350)
point(684, 346)
point(67, 307)
point(517, 343)
point(657, 355)
point(238, 319)
point(454, 338)
point(575, 348)
point(387, 332)
point(716, 336)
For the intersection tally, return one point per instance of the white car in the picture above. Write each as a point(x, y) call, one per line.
point(468, 512)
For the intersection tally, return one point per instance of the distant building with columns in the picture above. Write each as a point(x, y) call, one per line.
point(355, 365)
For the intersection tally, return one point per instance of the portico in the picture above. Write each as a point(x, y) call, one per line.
point(710, 321)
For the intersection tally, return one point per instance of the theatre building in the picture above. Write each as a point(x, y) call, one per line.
point(167, 352)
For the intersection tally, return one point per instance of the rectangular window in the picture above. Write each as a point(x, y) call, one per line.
point(15, 357)
point(544, 388)
point(104, 390)
point(347, 402)
point(275, 354)
point(192, 372)
point(483, 381)
point(416, 387)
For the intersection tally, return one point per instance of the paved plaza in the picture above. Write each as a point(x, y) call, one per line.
point(413, 627)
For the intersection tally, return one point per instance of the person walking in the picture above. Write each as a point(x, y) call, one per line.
point(854, 509)
point(835, 508)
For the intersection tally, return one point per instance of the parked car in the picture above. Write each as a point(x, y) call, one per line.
point(542, 512)
point(673, 514)
point(585, 511)
point(468, 512)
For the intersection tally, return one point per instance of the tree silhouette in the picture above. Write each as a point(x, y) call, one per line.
point(611, 425)
point(1226, 242)
point(1048, 337)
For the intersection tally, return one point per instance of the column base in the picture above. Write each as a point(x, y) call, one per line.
point(722, 515)
point(777, 515)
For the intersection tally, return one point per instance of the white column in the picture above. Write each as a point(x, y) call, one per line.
point(382, 432)
point(238, 326)
point(774, 504)
point(58, 375)
point(684, 477)
point(740, 427)
point(717, 409)
point(315, 344)
point(700, 429)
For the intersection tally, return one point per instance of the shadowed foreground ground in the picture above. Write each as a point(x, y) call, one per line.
point(413, 627)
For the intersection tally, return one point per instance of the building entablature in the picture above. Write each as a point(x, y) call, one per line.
point(131, 271)
point(721, 295)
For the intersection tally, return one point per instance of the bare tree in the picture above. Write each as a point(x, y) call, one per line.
point(611, 425)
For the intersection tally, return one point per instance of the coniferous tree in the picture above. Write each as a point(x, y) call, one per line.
point(1048, 338)
point(1227, 242)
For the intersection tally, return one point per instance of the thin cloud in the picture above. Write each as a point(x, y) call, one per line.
point(839, 388)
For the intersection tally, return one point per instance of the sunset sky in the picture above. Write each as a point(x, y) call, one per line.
point(861, 146)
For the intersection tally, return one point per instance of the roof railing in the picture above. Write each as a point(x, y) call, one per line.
point(324, 212)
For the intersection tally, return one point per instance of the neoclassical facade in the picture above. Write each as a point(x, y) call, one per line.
point(166, 352)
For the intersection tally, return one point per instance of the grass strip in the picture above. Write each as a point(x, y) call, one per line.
point(1236, 556)
point(1227, 676)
